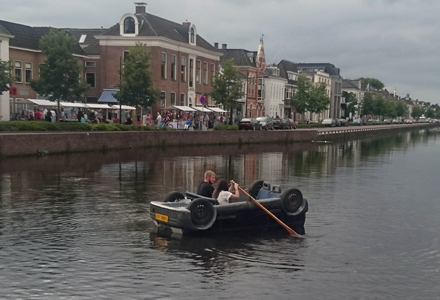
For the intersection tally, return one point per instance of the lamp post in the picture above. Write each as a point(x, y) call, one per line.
point(120, 82)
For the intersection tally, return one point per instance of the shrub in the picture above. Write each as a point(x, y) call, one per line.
point(226, 127)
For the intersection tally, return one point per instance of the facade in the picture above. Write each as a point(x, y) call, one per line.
point(289, 71)
point(335, 83)
point(274, 92)
point(354, 87)
point(4, 56)
point(183, 64)
point(252, 66)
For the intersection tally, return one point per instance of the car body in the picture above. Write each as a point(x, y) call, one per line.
point(343, 122)
point(266, 122)
point(374, 121)
point(358, 121)
point(337, 123)
point(279, 123)
point(292, 124)
point(249, 124)
point(395, 121)
point(387, 121)
point(408, 121)
point(329, 122)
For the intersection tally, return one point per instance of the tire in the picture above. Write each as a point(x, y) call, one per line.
point(255, 188)
point(203, 213)
point(173, 197)
point(291, 200)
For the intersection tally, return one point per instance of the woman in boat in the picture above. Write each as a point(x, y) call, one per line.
point(223, 194)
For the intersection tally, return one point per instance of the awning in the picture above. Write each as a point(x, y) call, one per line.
point(72, 104)
point(97, 106)
point(184, 108)
point(124, 107)
point(216, 109)
point(107, 96)
point(201, 108)
point(42, 102)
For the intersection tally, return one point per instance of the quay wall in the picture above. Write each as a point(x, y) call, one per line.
point(28, 144)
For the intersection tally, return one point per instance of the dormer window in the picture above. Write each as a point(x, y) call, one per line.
point(129, 25)
point(192, 35)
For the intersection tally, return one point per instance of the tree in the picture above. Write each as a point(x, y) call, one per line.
point(379, 103)
point(377, 84)
point(368, 105)
point(6, 79)
point(430, 113)
point(350, 103)
point(60, 73)
point(401, 109)
point(417, 111)
point(310, 97)
point(389, 109)
point(227, 86)
point(136, 86)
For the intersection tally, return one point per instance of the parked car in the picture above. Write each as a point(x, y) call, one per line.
point(408, 121)
point(292, 124)
point(395, 121)
point(358, 122)
point(266, 122)
point(374, 121)
point(343, 122)
point(337, 123)
point(329, 122)
point(387, 121)
point(279, 123)
point(249, 124)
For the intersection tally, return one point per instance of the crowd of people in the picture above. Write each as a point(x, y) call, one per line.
point(187, 119)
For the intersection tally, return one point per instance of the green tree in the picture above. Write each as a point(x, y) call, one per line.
point(301, 98)
point(417, 111)
point(379, 105)
point(60, 73)
point(401, 109)
point(350, 103)
point(389, 109)
point(430, 113)
point(227, 86)
point(368, 104)
point(6, 78)
point(136, 85)
point(377, 84)
point(309, 97)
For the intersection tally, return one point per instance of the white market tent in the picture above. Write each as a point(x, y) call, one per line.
point(97, 106)
point(70, 104)
point(201, 108)
point(42, 102)
point(124, 107)
point(184, 108)
point(216, 109)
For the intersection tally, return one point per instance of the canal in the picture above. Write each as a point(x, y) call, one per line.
point(77, 226)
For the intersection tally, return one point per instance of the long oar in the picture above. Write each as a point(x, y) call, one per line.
point(289, 230)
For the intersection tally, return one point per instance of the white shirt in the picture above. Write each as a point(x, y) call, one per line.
point(223, 197)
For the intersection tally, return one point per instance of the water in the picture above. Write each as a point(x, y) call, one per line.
point(77, 227)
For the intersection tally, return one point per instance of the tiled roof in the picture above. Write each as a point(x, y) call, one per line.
point(241, 57)
point(151, 25)
point(90, 44)
point(328, 68)
point(348, 84)
point(3, 31)
point(28, 37)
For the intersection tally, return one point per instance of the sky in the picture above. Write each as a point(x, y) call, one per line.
point(395, 41)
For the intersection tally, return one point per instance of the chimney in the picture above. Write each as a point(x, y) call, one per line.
point(224, 46)
point(186, 23)
point(216, 45)
point(141, 7)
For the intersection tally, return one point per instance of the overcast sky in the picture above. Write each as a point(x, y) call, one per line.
point(395, 41)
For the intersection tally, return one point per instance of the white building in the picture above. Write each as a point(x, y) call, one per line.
point(4, 56)
point(274, 92)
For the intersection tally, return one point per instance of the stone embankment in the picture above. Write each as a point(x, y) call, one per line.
point(25, 144)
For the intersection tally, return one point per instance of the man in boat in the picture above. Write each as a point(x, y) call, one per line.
point(205, 188)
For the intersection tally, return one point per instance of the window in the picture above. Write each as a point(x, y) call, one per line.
point(173, 67)
point(163, 65)
point(205, 73)
point(212, 73)
point(173, 98)
point(28, 75)
point(82, 39)
point(90, 64)
point(162, 99)
point(191, 73)
point(129, 25)
point(91, 80)
point(193, 38)
point(182, 99)
point(18, 73)
point(199, 71)
point(183, 69)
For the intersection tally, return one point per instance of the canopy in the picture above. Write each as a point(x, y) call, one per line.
point(125, 107)
point(72, 104)
point(107, 96)
point(201, 108)
point(216, 109)
point(97, 106)
point(184, 108)
point(42, 102)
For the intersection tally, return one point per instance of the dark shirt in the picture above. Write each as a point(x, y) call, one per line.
point(205, 189)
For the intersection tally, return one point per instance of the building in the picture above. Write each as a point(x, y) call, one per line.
point(289, 71)
point(274, 92)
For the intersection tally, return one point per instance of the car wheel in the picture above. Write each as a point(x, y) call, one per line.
point(291, 200)
point(173, 197)
point(203, 213)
